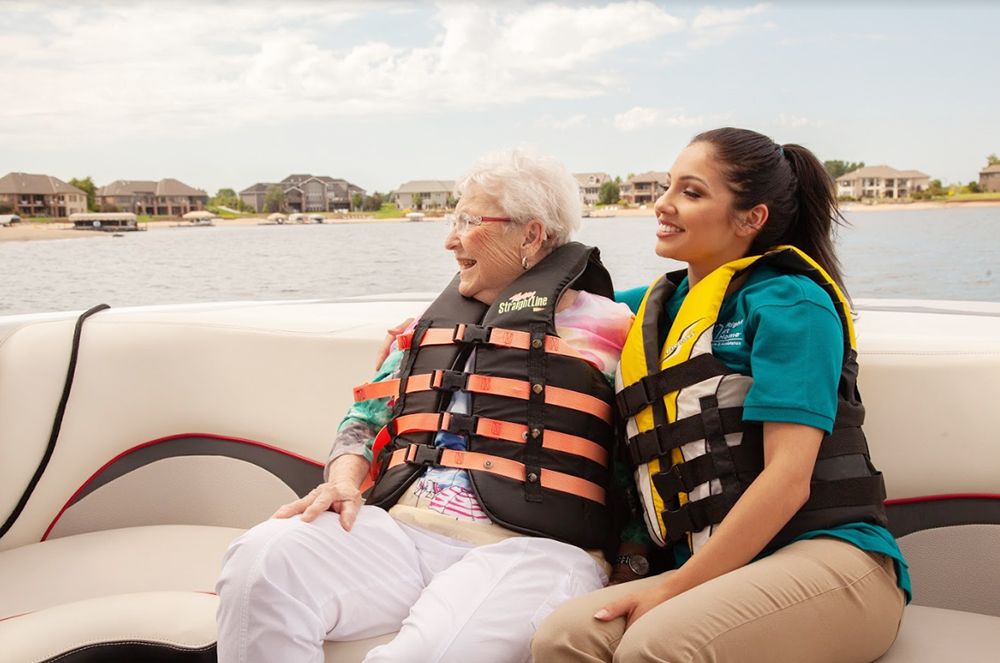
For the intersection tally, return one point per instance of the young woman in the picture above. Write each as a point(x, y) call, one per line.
point(743, 430)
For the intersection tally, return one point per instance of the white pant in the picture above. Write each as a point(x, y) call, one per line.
point(287, 585)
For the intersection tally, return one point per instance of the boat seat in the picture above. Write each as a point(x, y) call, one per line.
point(145, 593)
point(936, 634)
point(184, 427)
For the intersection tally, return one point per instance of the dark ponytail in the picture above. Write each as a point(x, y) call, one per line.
point(790, 180)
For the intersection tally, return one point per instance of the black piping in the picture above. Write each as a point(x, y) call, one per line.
point(56, 423)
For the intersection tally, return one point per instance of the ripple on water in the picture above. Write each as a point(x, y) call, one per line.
point(930, 254)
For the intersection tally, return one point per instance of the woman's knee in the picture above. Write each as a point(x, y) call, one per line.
point(269, 552)
point(571, 633)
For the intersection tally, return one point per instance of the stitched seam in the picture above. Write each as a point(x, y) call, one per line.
point(791, 605)
point(254, 574)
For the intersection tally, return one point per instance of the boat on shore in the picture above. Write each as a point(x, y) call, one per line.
point(197, 219)
point(105, 221)
point(131, 462)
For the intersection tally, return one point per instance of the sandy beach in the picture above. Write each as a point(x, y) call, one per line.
point(27, 231)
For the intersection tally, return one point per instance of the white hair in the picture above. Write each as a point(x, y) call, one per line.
point(529, 186)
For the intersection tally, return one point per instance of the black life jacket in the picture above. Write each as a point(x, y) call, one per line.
point(540, 423)
point(692, 453)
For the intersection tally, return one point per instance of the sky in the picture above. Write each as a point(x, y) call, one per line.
point(227, 94)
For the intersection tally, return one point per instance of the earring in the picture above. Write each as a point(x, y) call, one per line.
point(524, 263)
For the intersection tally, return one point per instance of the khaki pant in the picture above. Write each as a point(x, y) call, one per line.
point(821, 600)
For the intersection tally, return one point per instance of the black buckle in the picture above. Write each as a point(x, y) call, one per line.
point(475, 334)
point(425, 455)
point(453, 381)
point(460, 423)
point(669, 482)
point(633, 398)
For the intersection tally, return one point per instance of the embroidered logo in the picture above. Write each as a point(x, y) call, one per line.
point(522, 300)
point(729, 335)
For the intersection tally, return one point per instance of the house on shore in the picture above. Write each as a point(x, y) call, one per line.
point(305, 193)
point(433, 194)
point(40, 195)
point(881, 183)
point(645, 188)
point(590, 186)
point(168, 197)
point(989, 178)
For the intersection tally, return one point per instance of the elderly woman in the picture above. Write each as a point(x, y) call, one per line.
point(487, 432)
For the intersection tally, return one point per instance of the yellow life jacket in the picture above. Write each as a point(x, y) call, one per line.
point(692, 453)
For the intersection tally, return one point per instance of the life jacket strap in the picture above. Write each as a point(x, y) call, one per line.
point(685, 477)
point(421, 454)
point(695, 516)
point(496, 429)
point(856, 491)
point(485, 384)
point(496, 336)
point(661, 440)
point(652, 388)
point(747, 462)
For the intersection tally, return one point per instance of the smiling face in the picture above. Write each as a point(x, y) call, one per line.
point(488, 256)
point(696, 220)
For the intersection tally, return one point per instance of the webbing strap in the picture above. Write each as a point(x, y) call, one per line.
point(857, 491)
point(499, 430)
point(498, 336)
point(748, 461)
point(651, 388)
point(418, 454)
point(685, 477)
point(485, 384)
point(695, 516)
point(660, 440)
point(699, 514)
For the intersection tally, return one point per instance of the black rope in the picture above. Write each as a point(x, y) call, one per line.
point(56, 423)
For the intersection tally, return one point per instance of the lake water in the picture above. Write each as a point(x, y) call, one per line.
point(920, 254)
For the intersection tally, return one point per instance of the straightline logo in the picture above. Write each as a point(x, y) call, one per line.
point(522, 300)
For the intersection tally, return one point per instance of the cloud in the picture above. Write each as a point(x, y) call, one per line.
point(641, 117)
point(578, 121)
point(153, 69)
point(796, 121)
point(712, 26)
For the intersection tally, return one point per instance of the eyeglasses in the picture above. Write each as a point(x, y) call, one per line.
point(462, 221)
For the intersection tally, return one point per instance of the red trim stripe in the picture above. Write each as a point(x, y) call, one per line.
point(942, 498)
point(168, 438)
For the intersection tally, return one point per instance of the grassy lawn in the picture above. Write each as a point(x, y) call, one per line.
point(223, 214)
point(967, 197)
point(389, 211)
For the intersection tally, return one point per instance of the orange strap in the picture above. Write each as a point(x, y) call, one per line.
point(505, 430)
point(390, 388)
point(496, 386)
point(500, 337)
point(471, 460)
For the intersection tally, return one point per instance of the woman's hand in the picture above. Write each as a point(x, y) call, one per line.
point(339, 493)
point(390, 336)
point(635, 605)
point(339, 496)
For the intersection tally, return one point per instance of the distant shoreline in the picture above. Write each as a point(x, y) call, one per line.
point(28, 231)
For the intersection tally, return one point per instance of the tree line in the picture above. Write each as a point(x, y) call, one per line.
point(608, 194)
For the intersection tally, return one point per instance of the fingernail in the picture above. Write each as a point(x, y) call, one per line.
point(601, 614)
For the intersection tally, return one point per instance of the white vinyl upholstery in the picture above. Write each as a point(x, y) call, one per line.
point(144, 542)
